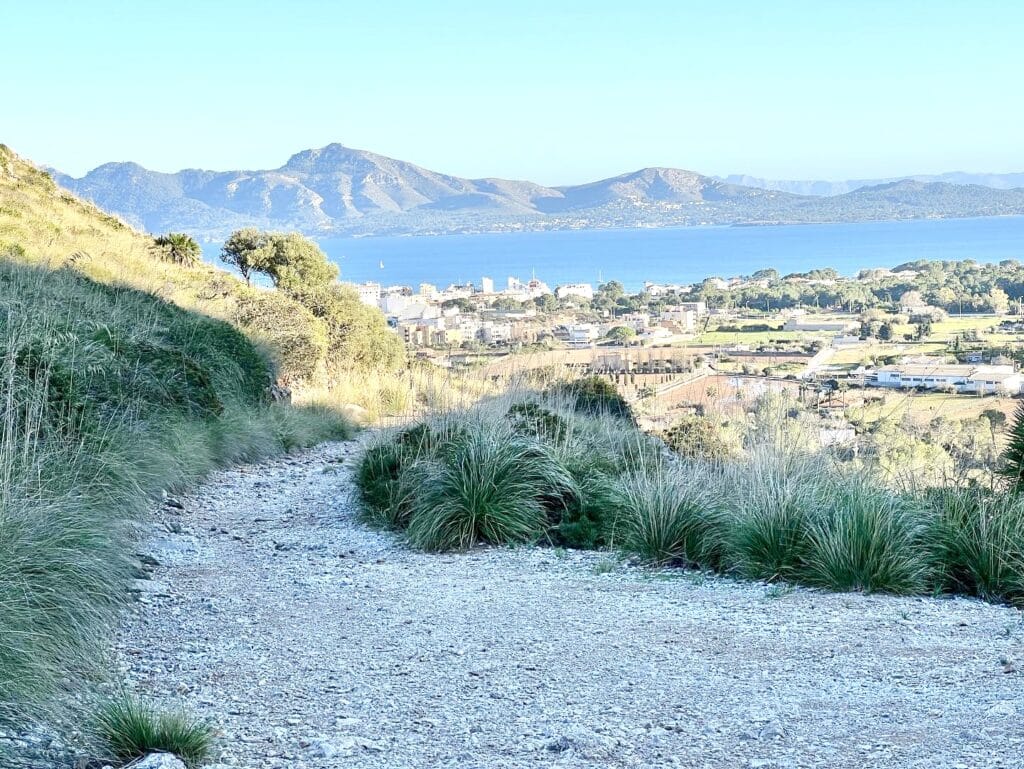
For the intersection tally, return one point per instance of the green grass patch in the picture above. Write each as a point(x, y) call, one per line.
point(534, 467)
point(129, 728)
point(108, 396)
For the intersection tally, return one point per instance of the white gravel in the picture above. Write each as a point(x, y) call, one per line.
point(314, 642)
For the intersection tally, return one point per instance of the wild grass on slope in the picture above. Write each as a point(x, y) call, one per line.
point(107, 396)
point(44, 225)
point(543, 467)
point(979, 543)
point(501, 471)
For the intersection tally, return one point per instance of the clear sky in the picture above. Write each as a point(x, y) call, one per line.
point(557, 91)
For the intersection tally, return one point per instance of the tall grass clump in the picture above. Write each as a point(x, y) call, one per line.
point(130, 728)
point(108, 396)
point(798, 518)
point(773, 499)
point(491, 489)
point(519, 467)
point(385, 478)
point(979, 543)
point(867, 539)
point(671, 516)
point(546, 465)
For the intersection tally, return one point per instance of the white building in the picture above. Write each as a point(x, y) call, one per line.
point(655, 334)
point(394, 304)
point(660, 289)
point(532, 289)
point(455, 292)
point(582, 334)
point(487, 285)
point(369, 293)
point(811, 323)
point(428, 291)
point(468, 327)
point(981, 380)
point(685, 319)
point(416, 309)
point(584, 290)
point(495, 333)
point(638, 321)
point(535, 288)
point(700, 309)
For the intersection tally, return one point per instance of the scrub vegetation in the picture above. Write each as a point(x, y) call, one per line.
point(552, 467)
point(127, 369)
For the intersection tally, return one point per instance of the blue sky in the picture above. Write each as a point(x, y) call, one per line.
point(557, 92)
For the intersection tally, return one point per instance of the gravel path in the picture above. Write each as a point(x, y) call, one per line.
point(314, 642)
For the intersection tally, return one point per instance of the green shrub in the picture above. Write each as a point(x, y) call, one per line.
point(671, 517)
point(130, 729)
point(979, 543)
point(490, 489)
point(358, 335)
point(583, 515)
point(867, 539)
point(533, 420)
point(299, 340)
point(596, 396)
point(1012, 468)
point(698, 437)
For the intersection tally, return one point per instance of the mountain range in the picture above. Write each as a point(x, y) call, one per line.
point(336, 190)
point(827, 188)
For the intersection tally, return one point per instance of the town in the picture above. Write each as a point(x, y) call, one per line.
point(880, 329)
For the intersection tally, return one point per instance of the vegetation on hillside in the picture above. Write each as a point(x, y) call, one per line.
point(299, 270)
point(110, 396)
point(310, 341)
point(546, 467)
point(127, 368)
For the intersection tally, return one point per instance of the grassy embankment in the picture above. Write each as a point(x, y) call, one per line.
point(119, 378)
point(559, 468)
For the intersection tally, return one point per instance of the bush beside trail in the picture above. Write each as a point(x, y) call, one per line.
point(548, 468)
point(108, 396)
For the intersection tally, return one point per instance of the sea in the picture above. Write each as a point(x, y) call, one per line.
point(672, 254)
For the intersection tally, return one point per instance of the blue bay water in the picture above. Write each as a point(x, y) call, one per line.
point(671, 255)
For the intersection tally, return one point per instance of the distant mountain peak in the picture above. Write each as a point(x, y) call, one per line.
point(336, 189)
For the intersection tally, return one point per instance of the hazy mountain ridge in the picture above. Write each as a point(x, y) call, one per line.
point(344, 191)
point(821, 187)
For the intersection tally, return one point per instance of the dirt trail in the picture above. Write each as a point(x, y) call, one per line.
point(314, 642)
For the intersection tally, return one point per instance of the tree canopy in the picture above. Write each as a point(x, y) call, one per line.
point(621, 333)
point(291, 261)
point(356, 334)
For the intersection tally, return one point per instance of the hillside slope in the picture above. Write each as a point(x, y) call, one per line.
point(344, 191)
point(44, 224)
point(112, 394)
